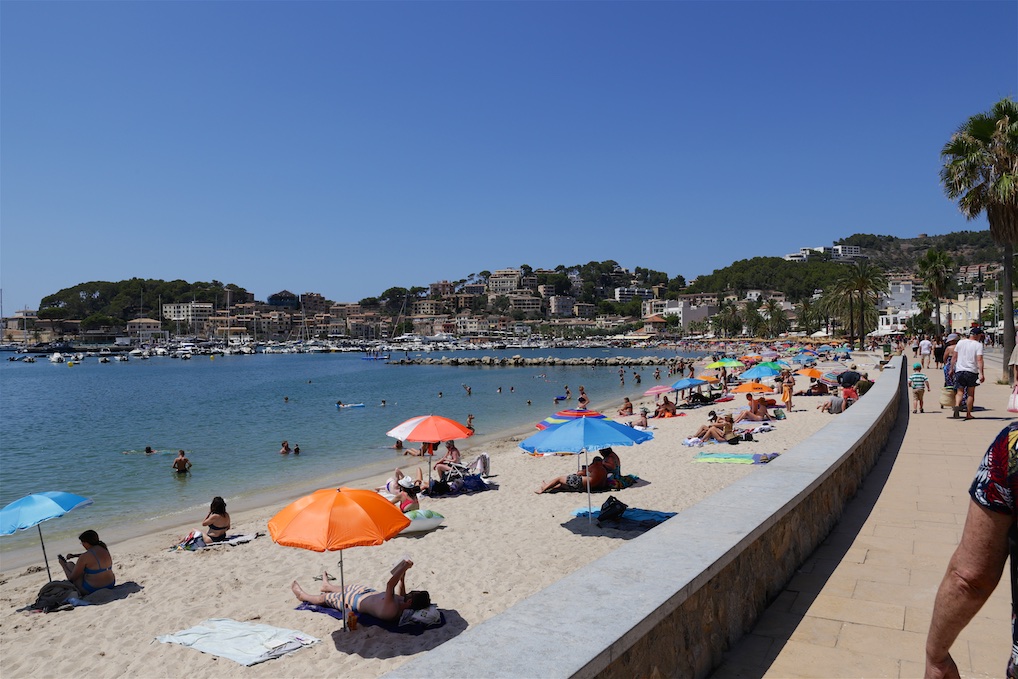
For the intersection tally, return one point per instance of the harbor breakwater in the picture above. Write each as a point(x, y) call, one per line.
point(521, 362)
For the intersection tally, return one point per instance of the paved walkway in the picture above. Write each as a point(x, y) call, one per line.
point(861, 605)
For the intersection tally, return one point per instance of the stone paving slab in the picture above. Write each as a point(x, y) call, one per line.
point(861, 604)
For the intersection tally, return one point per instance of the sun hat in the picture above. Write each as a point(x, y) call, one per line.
point(953, 336)
point(406, 482)
point(916, 366)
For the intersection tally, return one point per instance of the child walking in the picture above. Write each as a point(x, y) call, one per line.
point(919, 383)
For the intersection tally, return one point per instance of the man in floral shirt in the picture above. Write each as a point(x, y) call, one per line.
point(976, 566)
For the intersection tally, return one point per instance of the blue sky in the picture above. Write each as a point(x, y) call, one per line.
point(347, 147)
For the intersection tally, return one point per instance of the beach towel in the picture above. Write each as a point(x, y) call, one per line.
point(194, 541)
point(623, 481)
point(410, 627)
point(633, 518)
point(246, 643)
point(735, 458)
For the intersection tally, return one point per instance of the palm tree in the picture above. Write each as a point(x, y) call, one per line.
point(777, 319)
point(870, 283)
point(981, 172)
point(808, 316)
point(935, 269)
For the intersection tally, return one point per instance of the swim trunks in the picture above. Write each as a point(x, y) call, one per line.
point(574, 481)
point(354, 595)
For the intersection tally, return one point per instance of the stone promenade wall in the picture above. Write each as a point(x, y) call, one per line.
point(670, 602)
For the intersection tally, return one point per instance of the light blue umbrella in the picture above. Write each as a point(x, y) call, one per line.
point(687, 383)
point(581, 435)
point(759, 371)
point(33, 509)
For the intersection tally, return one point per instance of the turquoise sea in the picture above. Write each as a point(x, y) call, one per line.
point(84, 428)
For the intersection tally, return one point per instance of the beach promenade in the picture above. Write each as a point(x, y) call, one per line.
point(861, 604)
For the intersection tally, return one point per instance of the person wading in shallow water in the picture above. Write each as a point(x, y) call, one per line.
point(181, 463)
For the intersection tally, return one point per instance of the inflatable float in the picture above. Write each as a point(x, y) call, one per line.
point(422, 520)
point(349, 405)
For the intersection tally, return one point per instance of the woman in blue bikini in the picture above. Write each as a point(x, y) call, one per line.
point(93, 569)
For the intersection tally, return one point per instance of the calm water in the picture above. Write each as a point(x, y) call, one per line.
point(83, 429)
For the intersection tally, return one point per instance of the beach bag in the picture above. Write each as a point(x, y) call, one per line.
point(612, 509)
point(473, 484)
point(748, 436)
point(734, 439)
point(947, 397)
point(1012, 403)
point(779, 414)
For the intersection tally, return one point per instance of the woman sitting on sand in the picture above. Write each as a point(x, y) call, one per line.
point(666, 409)
point(611, 461)
point(407, 498)
point(717, 431)
point(757, 410)
point(217, 521)
point(627, 407)
point(93, 569)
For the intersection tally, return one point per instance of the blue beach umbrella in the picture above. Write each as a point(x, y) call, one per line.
point(688, 383)
point(32, 510)
point(759, 371)
point(582, 435)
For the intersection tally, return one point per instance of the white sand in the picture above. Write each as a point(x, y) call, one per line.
point(495, 549)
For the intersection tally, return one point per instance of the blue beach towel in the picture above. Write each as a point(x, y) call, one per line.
point(413, 628)
point(631, 519)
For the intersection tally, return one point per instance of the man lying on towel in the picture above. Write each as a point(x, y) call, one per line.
point(361, 599)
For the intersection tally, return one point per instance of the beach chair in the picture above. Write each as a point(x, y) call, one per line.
point(481, 465)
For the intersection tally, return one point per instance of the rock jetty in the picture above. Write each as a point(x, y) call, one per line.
point(521, 362)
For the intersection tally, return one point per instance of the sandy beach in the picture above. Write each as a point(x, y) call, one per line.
point(495, 549)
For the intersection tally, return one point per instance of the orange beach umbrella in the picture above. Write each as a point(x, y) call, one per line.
point(751, 388)
point(810, 372)
point(334, 519)
point(428, 429)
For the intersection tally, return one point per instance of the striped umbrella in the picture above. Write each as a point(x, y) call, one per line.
point(563, 416)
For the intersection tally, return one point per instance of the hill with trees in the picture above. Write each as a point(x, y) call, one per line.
point(105, 303)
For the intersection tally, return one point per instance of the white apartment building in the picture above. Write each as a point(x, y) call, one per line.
point(624, 295)
point(899, 296)
point(504, 281)
point(195, 314)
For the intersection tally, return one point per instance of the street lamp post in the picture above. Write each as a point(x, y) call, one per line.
point(979, 293)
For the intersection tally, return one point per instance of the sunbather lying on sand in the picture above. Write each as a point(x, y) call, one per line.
point(385, 605)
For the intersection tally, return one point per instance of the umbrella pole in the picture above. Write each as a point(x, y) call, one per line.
point(44, 557)
point(342, 586)
point(586, 480)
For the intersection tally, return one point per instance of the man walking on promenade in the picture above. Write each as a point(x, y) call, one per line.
point(967, 369)
point(925, 349)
